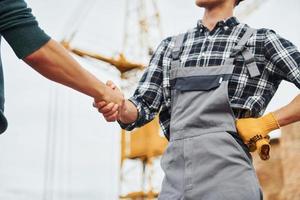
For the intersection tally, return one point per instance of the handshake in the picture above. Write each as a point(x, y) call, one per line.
point(253, 131)
point(114, 107)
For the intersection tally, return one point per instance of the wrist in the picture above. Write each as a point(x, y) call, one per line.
point(101, 93)
point(270, 123)
point(129, 113)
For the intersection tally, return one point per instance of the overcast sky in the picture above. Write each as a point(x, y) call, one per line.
point(85, 150)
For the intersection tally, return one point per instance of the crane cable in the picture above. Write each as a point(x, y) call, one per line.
point(77, 19)
point(49, 165)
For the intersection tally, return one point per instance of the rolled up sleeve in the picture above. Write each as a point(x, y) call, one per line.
point(20, 29)
point(283, 56)
point(148, 96)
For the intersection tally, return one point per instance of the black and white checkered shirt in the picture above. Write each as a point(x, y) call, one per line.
point(277, 59)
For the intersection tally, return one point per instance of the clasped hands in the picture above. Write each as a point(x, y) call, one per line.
point(113, 104)
point(117, 108)
point(253, 131)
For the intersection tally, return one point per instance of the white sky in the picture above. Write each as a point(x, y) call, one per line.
point(86, 148)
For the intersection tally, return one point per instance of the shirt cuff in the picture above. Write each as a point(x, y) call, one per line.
point(25, 39)
point(139, 120)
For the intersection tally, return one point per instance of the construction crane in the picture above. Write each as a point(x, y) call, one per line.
point(141, 30)
point(120, 62)
point(144, 144)
point(147, 26)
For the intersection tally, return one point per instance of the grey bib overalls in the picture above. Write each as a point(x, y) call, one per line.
point(203, 160)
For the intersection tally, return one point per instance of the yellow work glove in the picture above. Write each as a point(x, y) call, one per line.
point(254, 132)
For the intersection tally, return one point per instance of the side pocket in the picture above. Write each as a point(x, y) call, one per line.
point(188, 163)
point(243, 152)
point(163, 158)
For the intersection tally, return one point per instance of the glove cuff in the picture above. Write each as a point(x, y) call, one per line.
point(270, 122)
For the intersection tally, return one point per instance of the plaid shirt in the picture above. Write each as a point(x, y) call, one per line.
point(277, 59)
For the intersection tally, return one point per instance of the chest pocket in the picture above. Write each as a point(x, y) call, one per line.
point(198, 83)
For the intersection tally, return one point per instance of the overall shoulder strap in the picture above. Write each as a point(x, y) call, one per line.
point(176, 51)
point(248, 56)
point(242, 43)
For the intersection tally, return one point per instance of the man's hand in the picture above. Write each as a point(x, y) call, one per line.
point(126, 112)
point(254, 132)
point(112, 95)
point(112, 104)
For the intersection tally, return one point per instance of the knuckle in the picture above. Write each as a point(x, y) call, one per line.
point(100, 110)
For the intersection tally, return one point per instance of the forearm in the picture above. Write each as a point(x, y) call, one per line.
point(130, 113)
point(53, 62)
point(289, 113)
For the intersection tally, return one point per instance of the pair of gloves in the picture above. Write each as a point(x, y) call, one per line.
point(254, 132)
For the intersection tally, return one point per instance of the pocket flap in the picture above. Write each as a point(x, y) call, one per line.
point(198, 83)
